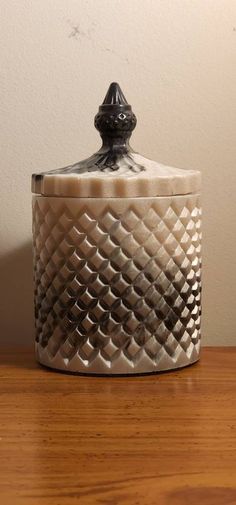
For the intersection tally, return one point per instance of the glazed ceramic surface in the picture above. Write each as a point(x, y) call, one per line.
point(117, 283)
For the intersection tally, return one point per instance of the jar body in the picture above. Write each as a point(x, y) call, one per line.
point(117, 283)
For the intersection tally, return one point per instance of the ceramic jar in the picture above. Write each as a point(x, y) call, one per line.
point(117, 258)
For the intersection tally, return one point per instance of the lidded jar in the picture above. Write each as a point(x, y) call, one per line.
point(117, 258)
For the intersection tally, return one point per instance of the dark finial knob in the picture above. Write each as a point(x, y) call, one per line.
point(115, 96)
point(115, 119)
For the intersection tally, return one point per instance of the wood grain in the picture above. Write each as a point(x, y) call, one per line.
point(150, 440)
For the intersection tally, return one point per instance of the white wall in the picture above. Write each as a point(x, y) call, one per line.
point(176, 62)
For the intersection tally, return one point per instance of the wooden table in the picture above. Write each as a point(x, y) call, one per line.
point(149, 440)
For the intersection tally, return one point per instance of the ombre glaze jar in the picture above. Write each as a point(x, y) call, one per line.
point(117, 258)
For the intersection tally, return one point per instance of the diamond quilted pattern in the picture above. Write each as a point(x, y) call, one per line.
point(117, 285)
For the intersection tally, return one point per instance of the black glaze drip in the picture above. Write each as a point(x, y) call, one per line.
point(115, 122)
point(169, 313)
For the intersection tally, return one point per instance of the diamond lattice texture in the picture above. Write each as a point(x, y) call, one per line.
point(117, 283)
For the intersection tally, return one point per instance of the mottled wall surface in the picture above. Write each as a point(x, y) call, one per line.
point(175, 61)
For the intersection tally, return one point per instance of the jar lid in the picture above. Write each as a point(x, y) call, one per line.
point(116, 170)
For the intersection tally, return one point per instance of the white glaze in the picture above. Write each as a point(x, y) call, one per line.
point(131, 267)
point(156, 180)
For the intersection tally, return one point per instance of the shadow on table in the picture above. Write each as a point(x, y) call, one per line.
point(21, 358)
point(16, 307)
